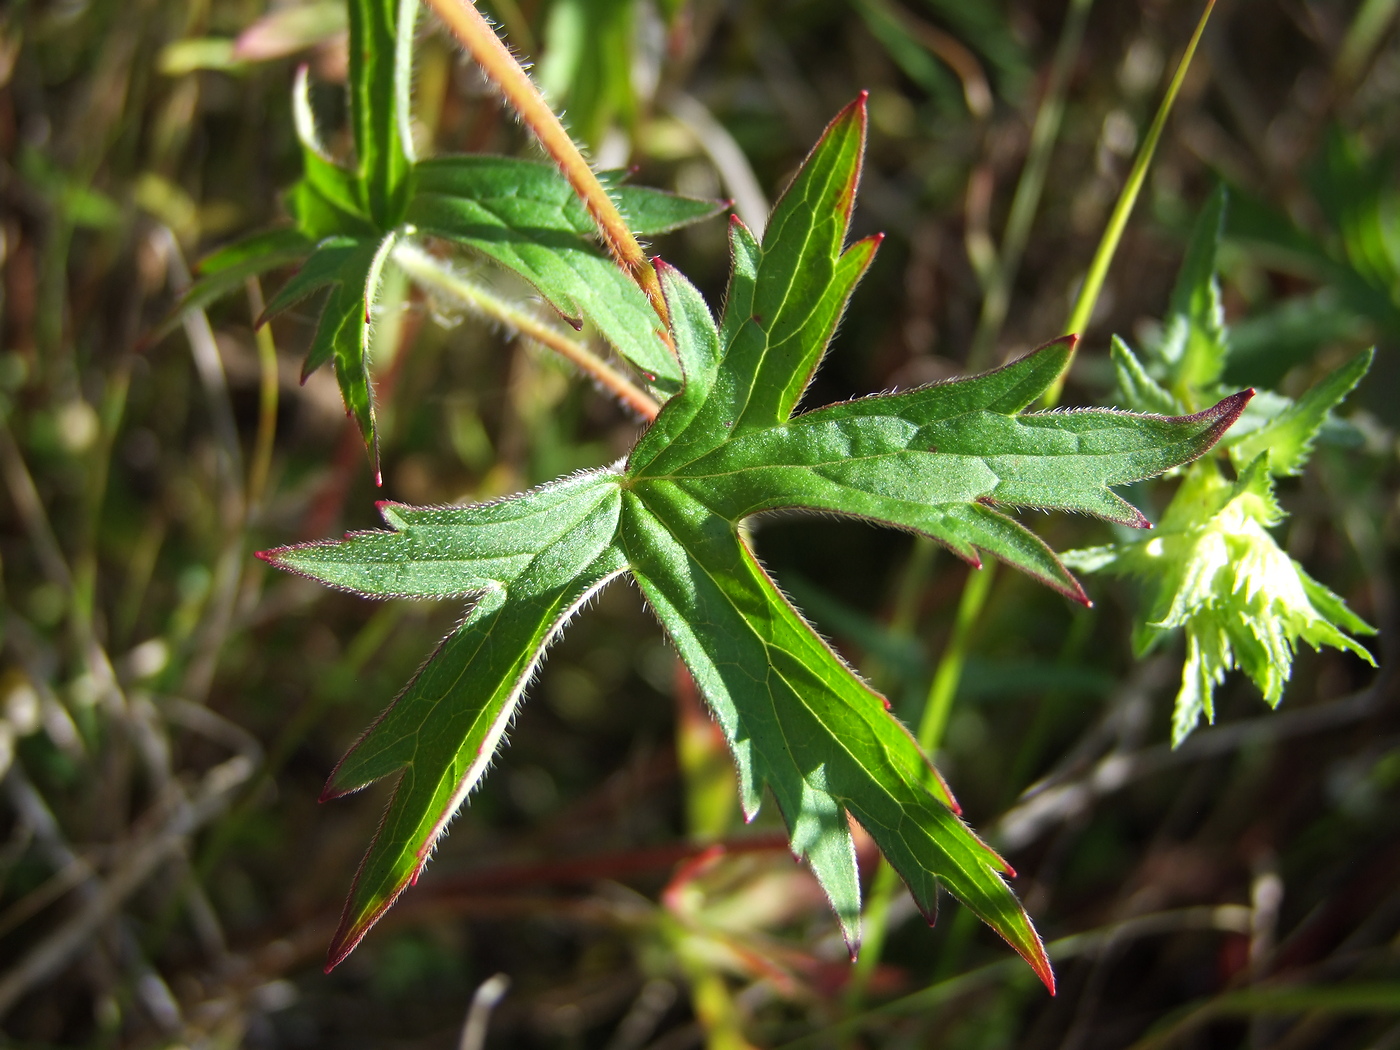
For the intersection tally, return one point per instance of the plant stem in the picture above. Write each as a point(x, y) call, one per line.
point(949, 671)
point(480, 39)
point(267, 404)
point(1026, 201)
point(1029, 186)
point(439, 277)
point(944, 686)
point(1089, 291)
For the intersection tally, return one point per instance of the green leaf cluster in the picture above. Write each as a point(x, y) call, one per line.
point(348, 214)
point(948, 461)
point(1213, 569)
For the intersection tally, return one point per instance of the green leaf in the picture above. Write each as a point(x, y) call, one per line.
point(526, 218)
point(940, 460)
point(651, 211)
point(381, 31)
point(327, 200)
point(1139, 389)
point(544, 191)
point(350, 268)
point(1196, 355)
point(319, 216)
point(1288, 437)
point(257, 253)
point(1213, 570)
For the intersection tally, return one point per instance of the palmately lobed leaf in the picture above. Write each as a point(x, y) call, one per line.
point(938, 460)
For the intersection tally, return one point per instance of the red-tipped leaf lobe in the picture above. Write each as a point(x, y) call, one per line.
point(855, 113)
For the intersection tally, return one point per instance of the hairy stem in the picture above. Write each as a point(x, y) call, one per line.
point(479, 38)
point(437, 276)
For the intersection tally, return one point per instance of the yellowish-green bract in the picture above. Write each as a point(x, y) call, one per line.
point(1213, 570)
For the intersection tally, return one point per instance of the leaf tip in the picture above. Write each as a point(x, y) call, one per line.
point(928, 909)
point(351, 931)
point(852, 945)
point(1042, 969)
point(344, 942)
point(1231, 407)
point(1138, 520)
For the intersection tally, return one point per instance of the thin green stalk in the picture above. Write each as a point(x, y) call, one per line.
point(1026, 201)
point(937, 708)
point(950, 666)
point(437, 276)
point(267, 403)
point(479, 38)
point(948, 674)
point(1089, 291)
point(1029, 187)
